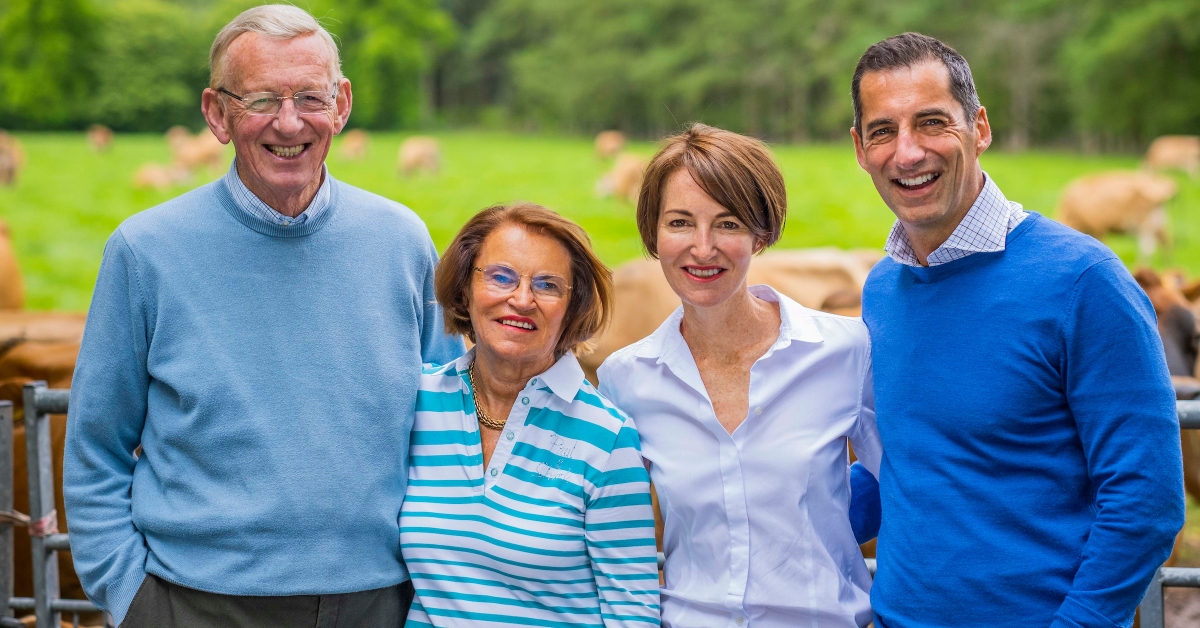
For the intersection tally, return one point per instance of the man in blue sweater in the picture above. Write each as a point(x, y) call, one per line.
point(1031, 472)
point(260, 339)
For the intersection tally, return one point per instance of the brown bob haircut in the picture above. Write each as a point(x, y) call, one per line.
point(735, 170)
point(590, 307)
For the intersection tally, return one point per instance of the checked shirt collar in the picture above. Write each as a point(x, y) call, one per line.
point(248, 202)
point(983, 230)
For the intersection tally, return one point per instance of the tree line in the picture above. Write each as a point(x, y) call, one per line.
point(140, 65)
point(1101, 74)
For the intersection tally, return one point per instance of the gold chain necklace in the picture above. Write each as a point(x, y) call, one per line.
point(484, 419)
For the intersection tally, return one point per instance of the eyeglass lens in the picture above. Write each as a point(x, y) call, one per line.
point(270, 102)
point(504, 280)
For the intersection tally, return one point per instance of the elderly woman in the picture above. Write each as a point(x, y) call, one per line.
point(528, 502)
point(746, 401)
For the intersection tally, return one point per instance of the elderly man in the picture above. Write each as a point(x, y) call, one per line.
point(1031, 473)
point(260, 339)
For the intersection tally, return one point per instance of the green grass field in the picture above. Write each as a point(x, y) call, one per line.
point(70, 199)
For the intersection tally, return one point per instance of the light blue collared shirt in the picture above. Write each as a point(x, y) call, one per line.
point(248, 202)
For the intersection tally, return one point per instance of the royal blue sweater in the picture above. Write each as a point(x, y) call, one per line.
point(269, 375)
point(1031, 470)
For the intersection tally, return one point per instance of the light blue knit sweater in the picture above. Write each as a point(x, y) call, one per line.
point(269, 375)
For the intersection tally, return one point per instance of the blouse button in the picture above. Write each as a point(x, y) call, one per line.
point(525, 400)
point(494, 472)
point(509, 436)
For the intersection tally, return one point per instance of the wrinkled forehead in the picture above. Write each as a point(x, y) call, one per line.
point(526, 249)
point(258, 63)
point(904, 92)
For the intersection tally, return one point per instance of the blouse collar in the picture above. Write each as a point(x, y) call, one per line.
point(795, 323)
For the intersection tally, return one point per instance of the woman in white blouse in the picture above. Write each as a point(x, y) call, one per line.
point(745, 401)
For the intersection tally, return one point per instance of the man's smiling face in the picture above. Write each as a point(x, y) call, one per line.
point(918, 145)
point(279, 156)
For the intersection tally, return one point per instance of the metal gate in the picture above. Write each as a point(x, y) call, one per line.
point(42, 520)
point(46, 541)
point(1152, 605)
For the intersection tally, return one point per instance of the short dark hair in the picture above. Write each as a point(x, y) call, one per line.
point(907, 50)
point(591, 304)
point(735, 170)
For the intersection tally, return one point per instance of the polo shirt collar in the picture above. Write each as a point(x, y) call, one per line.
point(564, 378)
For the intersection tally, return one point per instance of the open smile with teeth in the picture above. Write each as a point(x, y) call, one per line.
point(286, 151)
point(521, 324)
point(918, 182)
point(703, 274)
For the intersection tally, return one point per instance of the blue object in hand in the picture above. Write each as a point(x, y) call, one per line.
point(865, 511)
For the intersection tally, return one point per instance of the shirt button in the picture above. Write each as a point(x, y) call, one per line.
point(494, 472)
point(739, 621)
point(533, 382)
point(525, 400)
point(509, 436)
point(757, 411)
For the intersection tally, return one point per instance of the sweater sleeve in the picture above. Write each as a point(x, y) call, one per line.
point(1116, 383)
point(107, 413)
point(437, 347)
point(619, 530)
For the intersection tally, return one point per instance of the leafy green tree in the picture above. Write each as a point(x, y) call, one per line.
point(777, 68)
point(1116, 72)
point(1134, 69)
point(600, 64)
point(387, 49)
point(47, 51)
point(153, 66)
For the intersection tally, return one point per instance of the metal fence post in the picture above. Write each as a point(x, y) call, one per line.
point(43, 517)
point(6, 505)
point(1151, 608)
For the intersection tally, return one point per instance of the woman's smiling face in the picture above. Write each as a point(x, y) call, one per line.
point(704, 249)
point(518, 326)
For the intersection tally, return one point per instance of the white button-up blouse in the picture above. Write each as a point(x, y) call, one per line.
point(756, 525)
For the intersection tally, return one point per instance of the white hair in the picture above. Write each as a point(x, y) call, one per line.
point(274, 21)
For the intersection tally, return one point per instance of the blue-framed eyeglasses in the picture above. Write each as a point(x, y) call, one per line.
point(501, 279)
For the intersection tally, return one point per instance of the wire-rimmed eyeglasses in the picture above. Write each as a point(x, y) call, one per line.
point(269, 103)
point(501, 279)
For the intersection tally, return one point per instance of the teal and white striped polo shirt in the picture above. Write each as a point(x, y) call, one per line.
point(556, 531)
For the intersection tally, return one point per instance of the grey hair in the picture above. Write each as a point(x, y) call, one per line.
point(907, 50)
point(274, 21)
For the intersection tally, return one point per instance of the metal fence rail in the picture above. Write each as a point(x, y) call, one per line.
point(6, 505)
point(1151, 609)
point(42, 521)
point(46, 541)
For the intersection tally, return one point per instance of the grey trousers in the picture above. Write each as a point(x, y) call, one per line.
point(161, 604)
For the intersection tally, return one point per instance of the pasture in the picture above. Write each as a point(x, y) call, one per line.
point(69, 198)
